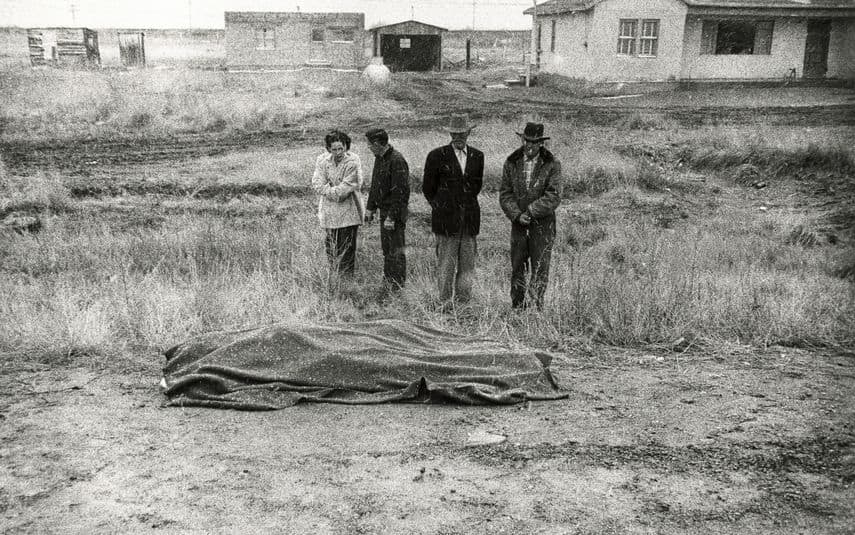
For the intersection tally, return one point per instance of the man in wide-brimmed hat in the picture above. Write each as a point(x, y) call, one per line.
point(529, 194)
point(453, 176)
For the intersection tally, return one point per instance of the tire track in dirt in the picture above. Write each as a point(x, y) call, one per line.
point(77, 157)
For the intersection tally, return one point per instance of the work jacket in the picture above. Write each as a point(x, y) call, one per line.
point(540, 196)
point(390, 186)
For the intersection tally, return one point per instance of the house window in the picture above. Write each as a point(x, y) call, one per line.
point(265, 39)
point(736, 37)
point(342, 35)
point(552, 37)
point(631, 42)
point(317, 35)
point(626, 37)
point(648, 43)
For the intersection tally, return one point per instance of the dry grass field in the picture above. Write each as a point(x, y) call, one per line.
point(700, 308)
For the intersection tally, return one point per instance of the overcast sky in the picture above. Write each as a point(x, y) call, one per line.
point(451, 14)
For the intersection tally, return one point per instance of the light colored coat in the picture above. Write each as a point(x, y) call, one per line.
point(338, 186)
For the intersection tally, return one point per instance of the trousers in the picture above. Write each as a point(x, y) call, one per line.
point(394, 254)
point(531, 250)
point(455, 266)
point(340, 246)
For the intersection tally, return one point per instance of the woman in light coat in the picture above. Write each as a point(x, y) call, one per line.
point(337, 181)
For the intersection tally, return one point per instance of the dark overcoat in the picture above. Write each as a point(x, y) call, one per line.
point(453, 192)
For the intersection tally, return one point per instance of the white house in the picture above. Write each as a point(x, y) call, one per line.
point(658, 40)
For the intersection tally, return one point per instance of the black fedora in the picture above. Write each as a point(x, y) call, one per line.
point(533, 132)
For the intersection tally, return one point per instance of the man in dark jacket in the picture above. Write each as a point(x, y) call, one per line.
point(529, 194)
point(390, 193)
point(453, 177)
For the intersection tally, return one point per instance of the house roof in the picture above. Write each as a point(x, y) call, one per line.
point(775, 4)
point(411, 21)
point(555, 7)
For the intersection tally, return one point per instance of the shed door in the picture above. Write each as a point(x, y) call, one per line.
point(130, 50)
point(410, 52)
point(816, 48)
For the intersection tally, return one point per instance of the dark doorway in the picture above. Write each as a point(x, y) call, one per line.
point(410, 52)
point(816, 48)
point(132, 49)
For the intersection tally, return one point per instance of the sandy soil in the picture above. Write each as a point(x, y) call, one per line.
point(661, 442)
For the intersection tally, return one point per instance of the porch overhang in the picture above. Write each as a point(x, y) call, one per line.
point(753, 12)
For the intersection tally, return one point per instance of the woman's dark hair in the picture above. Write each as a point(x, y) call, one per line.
point(337, 135)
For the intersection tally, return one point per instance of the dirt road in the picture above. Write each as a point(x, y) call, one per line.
point(739, 442)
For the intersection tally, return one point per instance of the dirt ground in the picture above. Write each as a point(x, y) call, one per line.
point(735, 440)
point(661, 442)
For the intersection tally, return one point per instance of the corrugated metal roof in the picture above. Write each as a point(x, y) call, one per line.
point(554, 7)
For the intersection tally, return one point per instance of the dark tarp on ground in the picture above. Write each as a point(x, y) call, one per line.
point(371, 362)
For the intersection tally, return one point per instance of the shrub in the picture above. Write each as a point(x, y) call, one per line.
point(644, 121)
point(139, 120)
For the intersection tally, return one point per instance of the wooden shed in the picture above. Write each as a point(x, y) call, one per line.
point(64, 47)
point(132, 48)
point(409, 46)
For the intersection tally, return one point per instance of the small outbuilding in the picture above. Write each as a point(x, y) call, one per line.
point(132, 48)
point(409, 46)
point(59, 47)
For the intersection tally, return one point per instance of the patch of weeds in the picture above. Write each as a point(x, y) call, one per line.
point(844, 268)
point(643, 121)
point(666, 214)
point(746, 174)
point(651, 177)
point(585, 236)
point(800, 235)
point(5, 123)
point(216, 124)
point(140, 120)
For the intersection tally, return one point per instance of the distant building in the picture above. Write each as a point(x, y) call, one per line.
point(63, 47)
point(408, 46)
point(629, 40)
point(288, 40)
point(132, 48)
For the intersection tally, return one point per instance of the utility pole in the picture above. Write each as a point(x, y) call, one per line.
point(412, 12)
point(473, 14)
point(73, 14)
point(189, 13)
point(534, 40)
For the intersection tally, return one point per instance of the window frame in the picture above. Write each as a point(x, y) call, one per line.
point(635, 43)
point(652, 40)
point(265, 38)
point(337, 31)
point(313, 35)
point(627, 38)
point(762, 39)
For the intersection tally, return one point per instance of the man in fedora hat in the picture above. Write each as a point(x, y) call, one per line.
point(529, 194)
point(453, 176)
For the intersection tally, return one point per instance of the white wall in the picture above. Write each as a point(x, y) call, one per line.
point(788, 52)
point(599, 27)
point(570, 57)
